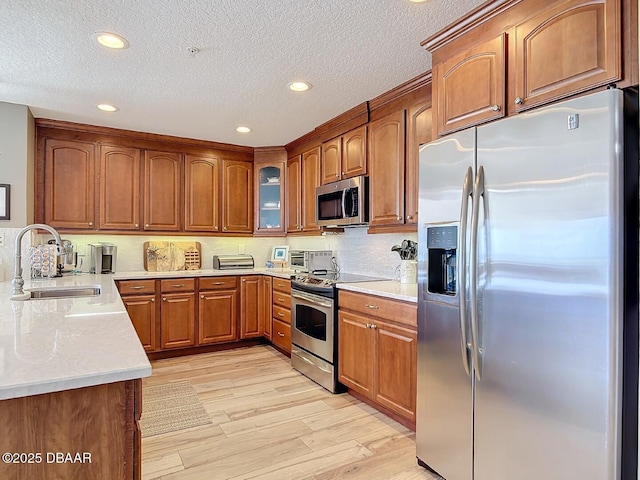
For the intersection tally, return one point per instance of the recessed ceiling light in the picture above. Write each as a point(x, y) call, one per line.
point(243, 129)
point(111, 40)
point(299, 86)
point(105, 107)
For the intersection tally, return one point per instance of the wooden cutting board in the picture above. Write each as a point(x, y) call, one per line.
point(168, 256)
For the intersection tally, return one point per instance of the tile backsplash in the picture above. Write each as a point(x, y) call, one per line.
point(355, 250)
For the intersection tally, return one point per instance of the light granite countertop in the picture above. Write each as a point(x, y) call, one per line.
point(60, 344)
point(407, 292)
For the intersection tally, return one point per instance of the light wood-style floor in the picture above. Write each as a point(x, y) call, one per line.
point(270, 422)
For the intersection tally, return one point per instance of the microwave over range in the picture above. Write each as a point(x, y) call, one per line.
point(343, 203)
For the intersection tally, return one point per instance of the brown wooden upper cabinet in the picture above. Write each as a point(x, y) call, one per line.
point(119, 198)
point(386, 169)
point(294, 194)
point(69, 184)
point(310, 165)
point(345, 156)
point(303, 177)
point(237, 196)
point(162, 191)
point(270, 205)
point(202, 193)
point(470, 87)
point(571, 48)
point(557, 49)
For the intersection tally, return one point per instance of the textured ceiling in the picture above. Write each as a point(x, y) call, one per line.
point(350, 50)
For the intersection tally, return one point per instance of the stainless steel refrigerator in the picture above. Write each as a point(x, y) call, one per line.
point(527, 306)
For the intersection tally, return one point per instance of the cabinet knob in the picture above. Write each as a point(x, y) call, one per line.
point(164, 299)
point(496, 108)
point(344, 173)
point(409, 217)
point(91, 224)
point(367, 325)
point(146, 225)
point(398, 217)
point(518, 101)
point(337, 174)
point(153, 300)
point(136, 225)
point(244, 279)
point(373, 326)
point(224, 229)
point(201, 296)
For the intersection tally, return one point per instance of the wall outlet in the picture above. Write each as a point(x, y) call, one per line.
point(1, 240)
point(241, 248)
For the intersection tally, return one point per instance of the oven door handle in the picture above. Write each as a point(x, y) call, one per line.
point(311, 300)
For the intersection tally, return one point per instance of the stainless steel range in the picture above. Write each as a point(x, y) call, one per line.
point(314, 325)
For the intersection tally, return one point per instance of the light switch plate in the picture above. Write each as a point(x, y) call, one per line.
point(241, 248)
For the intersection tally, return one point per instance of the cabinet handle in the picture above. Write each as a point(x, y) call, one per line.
point(91, 224)
point(409, 217)
point(496, 108)
point(177, 285)
point(371, 306)
point(280, 334)
point(280, 314)
point(280, 299)
point(518, 101)
point(280, 285)
point(164, 299)
point(138, 287)
point(217, 283)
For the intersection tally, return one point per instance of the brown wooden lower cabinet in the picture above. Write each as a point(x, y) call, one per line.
point(142, 311)
point(377, 357)
point(97, 426)
point(217, 315)
point(177, 320)
point(281, 314)
point(250, 307)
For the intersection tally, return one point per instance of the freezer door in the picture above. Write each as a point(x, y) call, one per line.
point(444, 411)
point(547, 404)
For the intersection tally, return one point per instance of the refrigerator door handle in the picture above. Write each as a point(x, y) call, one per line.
point(478, 191)
point(467, 189)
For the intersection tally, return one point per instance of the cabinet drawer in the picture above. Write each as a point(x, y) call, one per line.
point(282, 299)
point(282, 285)
point(178, 285)
point(393, 310)
point(218, 283)
point(281, 335)
point(282, 314)
point(136, 287)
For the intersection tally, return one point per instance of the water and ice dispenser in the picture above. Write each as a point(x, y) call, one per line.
point(442, 244)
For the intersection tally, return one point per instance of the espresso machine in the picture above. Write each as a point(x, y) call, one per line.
point(102, 257)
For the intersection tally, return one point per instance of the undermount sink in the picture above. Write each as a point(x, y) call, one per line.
point(64, 292)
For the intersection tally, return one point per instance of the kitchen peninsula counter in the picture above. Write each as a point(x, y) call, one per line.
point(66, 343)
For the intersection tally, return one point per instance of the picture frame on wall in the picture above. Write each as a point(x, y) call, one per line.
point(5, 197)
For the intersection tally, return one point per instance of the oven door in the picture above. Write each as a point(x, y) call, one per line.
point(312, 321)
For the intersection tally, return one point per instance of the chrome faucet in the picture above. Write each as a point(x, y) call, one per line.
point(18, 281)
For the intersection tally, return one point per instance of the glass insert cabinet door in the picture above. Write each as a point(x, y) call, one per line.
point(270, 204)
